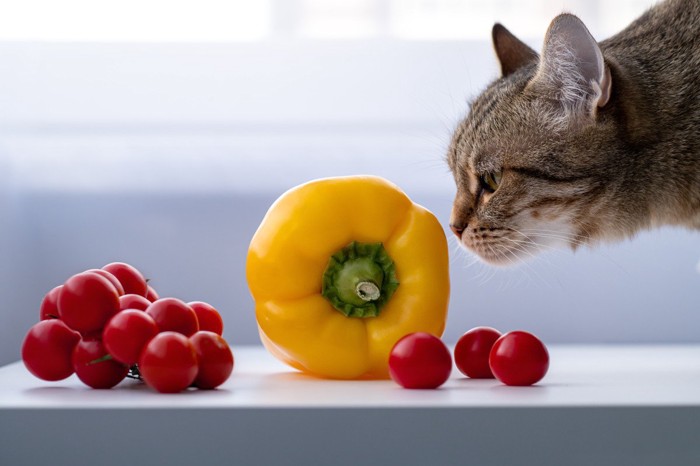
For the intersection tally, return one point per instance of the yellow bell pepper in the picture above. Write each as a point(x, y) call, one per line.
point(341, 269)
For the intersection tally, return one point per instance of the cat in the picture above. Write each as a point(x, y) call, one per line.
point(586, 142)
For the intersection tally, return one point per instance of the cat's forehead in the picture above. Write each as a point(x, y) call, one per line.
point(502, 121)
point(492, 121)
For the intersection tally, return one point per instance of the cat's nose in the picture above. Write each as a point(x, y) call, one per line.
point(457, 229)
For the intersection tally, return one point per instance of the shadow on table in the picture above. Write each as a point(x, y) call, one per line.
point(66, 393)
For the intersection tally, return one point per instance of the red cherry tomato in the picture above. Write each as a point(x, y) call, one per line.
point(133, 301)
point(49, 305)
point(171, 314)
point(214, 357)
point(131, 279)
point(472, 352)
point(95, 367)
point(47, 350)
point(151, 294)
point(519, 358)
point(112, 279)
point(208, 317)
point(87, 301)
point(420, 360)
point(127, 333)
point(168, 363)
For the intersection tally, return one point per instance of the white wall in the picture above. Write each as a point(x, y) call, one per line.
point(168, 155)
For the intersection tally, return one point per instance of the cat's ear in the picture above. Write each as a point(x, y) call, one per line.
point(511, 52)
point(572, 64)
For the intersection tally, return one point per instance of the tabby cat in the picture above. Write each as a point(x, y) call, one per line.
point(587, 142)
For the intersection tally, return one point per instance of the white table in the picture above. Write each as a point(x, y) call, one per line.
point(598, 405)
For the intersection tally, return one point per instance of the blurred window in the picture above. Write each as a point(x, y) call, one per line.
point(135, 20)
point(251, 20)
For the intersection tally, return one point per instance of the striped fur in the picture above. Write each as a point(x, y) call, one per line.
point(574, 174)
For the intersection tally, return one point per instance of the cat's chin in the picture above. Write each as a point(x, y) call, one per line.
point(501, 257)
point(503, 261)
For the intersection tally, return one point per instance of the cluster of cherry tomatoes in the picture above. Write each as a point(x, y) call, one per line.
point(422, 360)
point(109, 323)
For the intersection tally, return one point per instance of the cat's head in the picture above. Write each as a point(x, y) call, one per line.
point(528, 159)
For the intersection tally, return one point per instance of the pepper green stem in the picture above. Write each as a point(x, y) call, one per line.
point(360, 279)
point(368, 291)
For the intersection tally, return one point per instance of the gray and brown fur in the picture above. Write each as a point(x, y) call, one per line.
point(595, 141)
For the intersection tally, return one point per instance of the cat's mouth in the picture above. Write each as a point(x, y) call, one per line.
point(507, 246)
point(499, 246)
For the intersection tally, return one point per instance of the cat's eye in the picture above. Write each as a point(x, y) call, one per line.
point(490, 181)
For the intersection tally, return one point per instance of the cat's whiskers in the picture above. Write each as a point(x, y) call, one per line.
point(601, 252)
point(503, 285)
point(511, 254)
point(530, 233)
point(461, 252)
point(503, 246)
point(524, 246)
point(535, 246)
point(569, 238)
point(518, 246)
point(539, 240)
point(553, 248)
point(483, 276)
point(470, 259)
point(538, 247)
point(491, 270)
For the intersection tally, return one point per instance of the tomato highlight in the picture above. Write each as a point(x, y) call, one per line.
point(472, 352)
point(519, 358)
point(214, 357)
point(87, 301)
point(168, 363)
point(208, 317)
point(95, 367)
point(47, 350)
point(129, 276)
point(420, 360)
point(127, 333)
point(174, 315)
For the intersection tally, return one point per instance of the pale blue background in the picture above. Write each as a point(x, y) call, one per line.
point(167, 155)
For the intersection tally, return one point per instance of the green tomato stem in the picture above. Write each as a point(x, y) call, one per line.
point(106, 357)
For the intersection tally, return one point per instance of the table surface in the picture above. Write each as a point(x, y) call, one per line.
point(579, 376)
point(602, 405)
